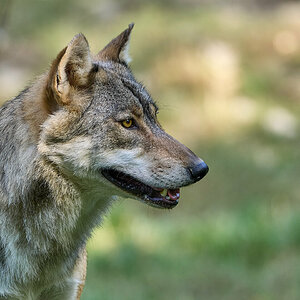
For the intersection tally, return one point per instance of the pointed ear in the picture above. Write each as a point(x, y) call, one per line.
point(71, 68)
point(117, 50)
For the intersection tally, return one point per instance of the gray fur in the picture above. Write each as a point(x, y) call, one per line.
point(52, 193)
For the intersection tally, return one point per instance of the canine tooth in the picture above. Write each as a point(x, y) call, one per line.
point(164, 192)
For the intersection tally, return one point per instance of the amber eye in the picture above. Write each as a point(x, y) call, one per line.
point(127, 123)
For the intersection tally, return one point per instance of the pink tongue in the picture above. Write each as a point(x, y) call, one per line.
point(174, 194)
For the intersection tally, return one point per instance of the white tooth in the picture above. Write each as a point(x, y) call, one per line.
point(164, 192)
point(167, 197)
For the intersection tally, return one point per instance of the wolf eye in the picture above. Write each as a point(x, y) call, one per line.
point(128, 123)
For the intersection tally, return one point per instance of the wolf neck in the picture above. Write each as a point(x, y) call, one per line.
point(52, 223)
point(74, 212)
point(47, 214)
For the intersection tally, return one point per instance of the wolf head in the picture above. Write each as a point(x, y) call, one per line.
point(102, 127)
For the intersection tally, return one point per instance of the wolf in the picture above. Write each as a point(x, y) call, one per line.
point(82, 135)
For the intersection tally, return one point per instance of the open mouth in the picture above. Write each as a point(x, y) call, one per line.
point(158, 197)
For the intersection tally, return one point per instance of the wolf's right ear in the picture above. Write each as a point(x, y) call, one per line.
point(70, 69)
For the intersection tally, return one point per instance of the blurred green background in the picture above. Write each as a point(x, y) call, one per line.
point(226, 75)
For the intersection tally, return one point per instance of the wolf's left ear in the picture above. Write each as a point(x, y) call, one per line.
point(71, 68)
point(118, 49)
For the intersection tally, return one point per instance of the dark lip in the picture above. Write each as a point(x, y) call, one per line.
point(137, 188)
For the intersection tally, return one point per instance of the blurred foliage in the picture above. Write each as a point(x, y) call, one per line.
point(226, 76)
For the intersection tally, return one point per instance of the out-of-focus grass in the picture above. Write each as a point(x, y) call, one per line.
point(227, 81)
point(238, 255)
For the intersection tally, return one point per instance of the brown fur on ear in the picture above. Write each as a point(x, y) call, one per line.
point(114, 49)
point(51, 97)
point(71, 68)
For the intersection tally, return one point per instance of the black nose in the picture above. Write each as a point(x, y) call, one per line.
point(198, 171)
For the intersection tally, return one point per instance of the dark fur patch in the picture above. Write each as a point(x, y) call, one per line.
point(2, 255)
point(38, 197)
